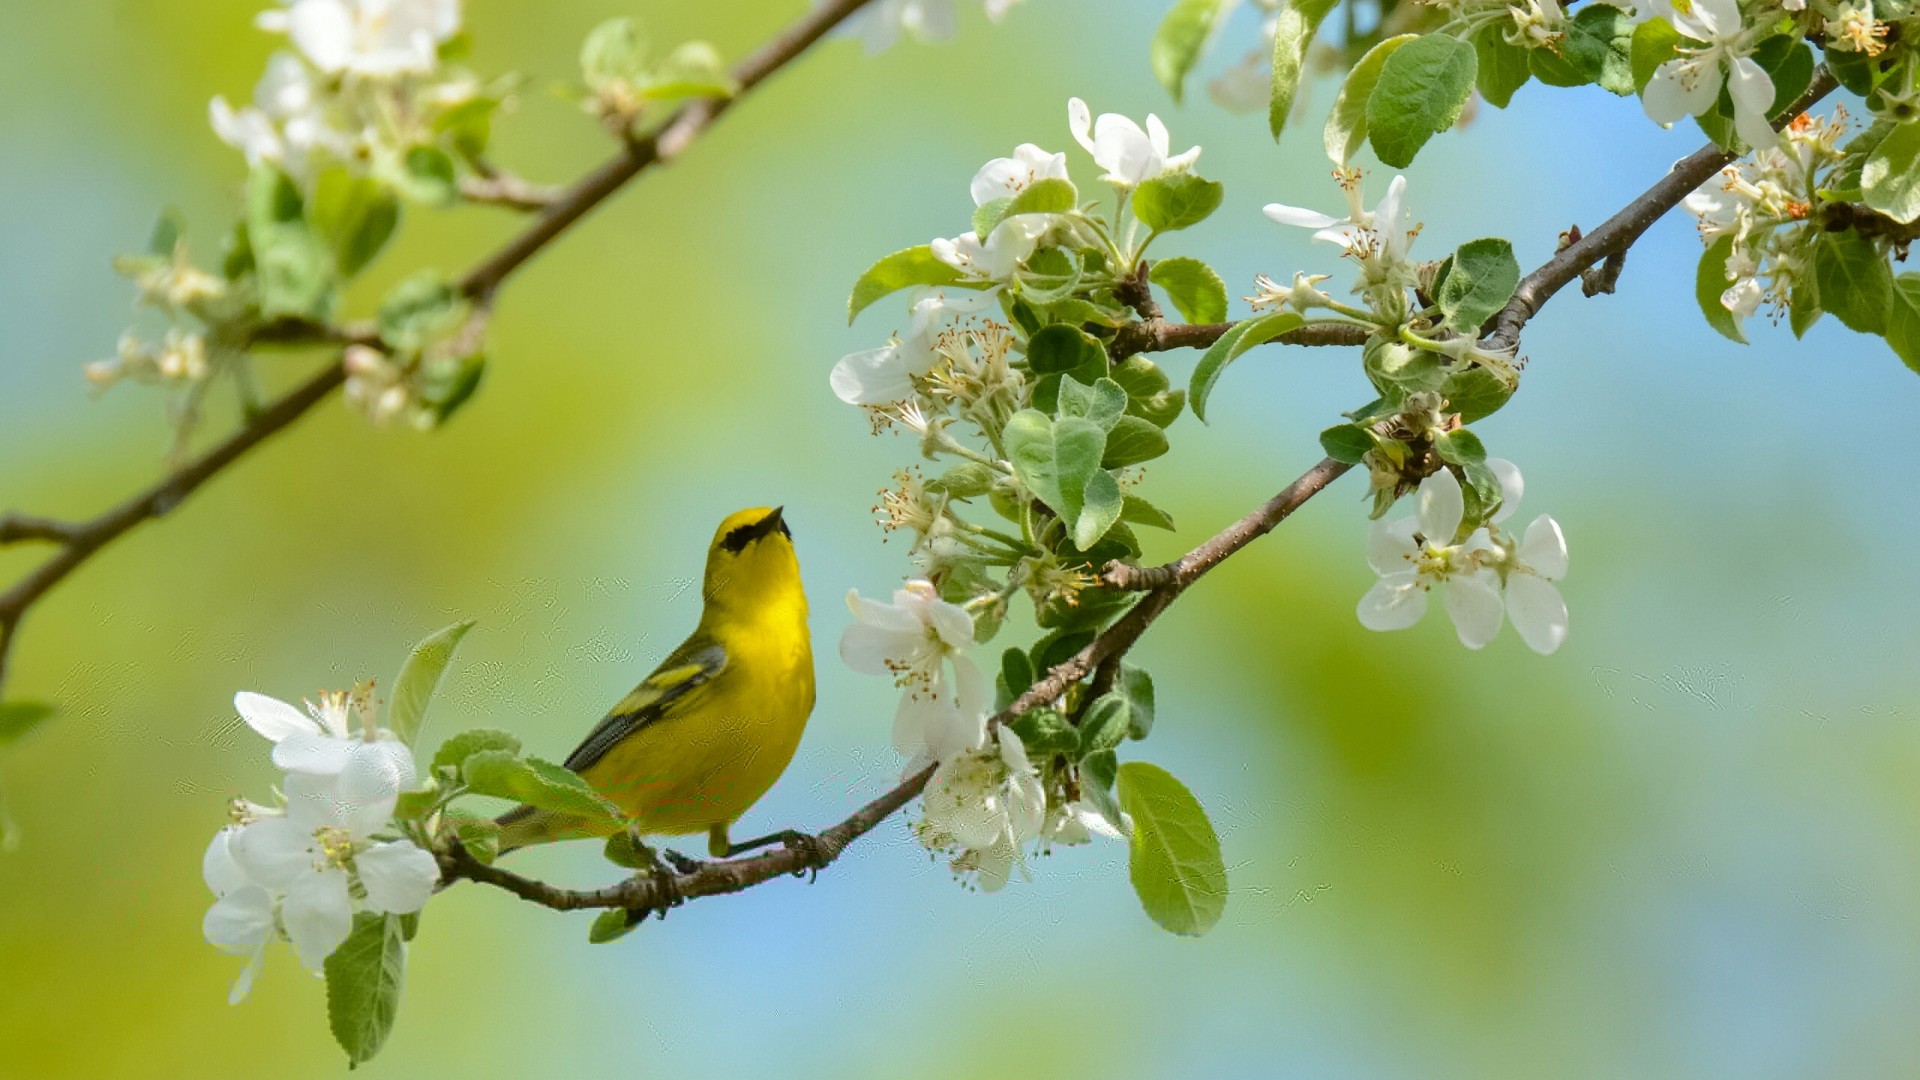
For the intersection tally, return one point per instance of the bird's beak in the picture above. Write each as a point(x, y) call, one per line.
point(776, 521)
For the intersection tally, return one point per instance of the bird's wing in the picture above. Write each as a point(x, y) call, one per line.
point(692, 665)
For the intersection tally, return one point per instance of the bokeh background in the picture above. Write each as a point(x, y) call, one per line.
point(1688, 845)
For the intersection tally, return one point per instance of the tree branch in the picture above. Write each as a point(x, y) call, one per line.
point(1161, 585)
point(81, 540)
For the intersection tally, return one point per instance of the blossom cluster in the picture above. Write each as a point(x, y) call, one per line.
point(299, 869)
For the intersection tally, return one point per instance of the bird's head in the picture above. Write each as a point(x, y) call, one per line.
point(751, 567)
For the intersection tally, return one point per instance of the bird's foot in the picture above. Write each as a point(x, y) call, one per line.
point(812, 856)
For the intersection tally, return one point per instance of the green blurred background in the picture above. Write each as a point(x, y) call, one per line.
point(1685, 846)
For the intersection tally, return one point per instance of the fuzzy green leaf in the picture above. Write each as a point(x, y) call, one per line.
point(1420, 93)
point(1244, 335)
point(1194, 288)
point(413, 688)
point(902, 269)
point(1174, 858)
point(1293, 29)
point(1182, 36)
point(365, 977)
point(1346, 130)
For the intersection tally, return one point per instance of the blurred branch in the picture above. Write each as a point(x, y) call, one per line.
point(504, 189)
point(81, 540)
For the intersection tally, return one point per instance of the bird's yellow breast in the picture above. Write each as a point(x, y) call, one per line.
point(725, 743)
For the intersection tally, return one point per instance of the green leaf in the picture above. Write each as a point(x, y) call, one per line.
point(1346, 442)
point(1046, 195)
point(1903, 319)
point(1459, 447)
point(1180, 39)
point(1131, 441)
point(291, 265)
point(1044, 732)
point(1856, 71)
point(1654, 43)
point(448, 382)
point(1104, 725)
point(1245, 335)
point(1788, 61)
point(479, 835)
point(365, 976)
point(693, 69)
point(418, 310)
point(469, 125)
point(1174, 859)
point(1420, 93)
point(1102, 403)
point(19, 717)
point(418, 678)
point(355, 214)
point(1479, 282)
point(989, 214)
point(1854, 280)
point(1475, 393)
point(1149, 394)
point(1891, 177)
point(1016, 675)
point(624, 849)
point(1599, 43)
point(1503, 67)
point(1803, 306)
point(1055, 459)
point(1137, 687)
point(1293, 29)
point(611, 925)
point(1194, 288)
point(1138, 511)
point(1100, 506)
point(902, 269)
point(427, 175)
point(964, 481)
point(613, 54)
point(1709, 281)
point(1060, 348)
point(1554, 69)
point(539, 784)
point(1346, 130)
point(168, 228)
point(458, 748)
point(1097, 775)
point(1176, 200)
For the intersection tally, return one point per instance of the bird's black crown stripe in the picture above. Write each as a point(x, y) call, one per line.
point(739, 537)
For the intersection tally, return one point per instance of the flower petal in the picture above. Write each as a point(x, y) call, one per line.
point(1544, 548)
point(1080, 122)
point(239, 922)
point(1473, 604)
point(1439, 506)
point(1512, 486)
point(222, 874)
point(318, 914)
point(1538, 611)
point(867, 648)
point(243, 983)
point(1298, 216)
point(398, 876)
point(272, 718)
point(873, 377)
point(1390, 546)
point(1395, 602)
point(313, 753)
point(1752, 91)
point(273, 851)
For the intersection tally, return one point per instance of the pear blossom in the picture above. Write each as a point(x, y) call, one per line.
point(1528, 566)
point(372, 38)
point(1690, 84)
point(242, 918)
point(1128, 154)
point(885, 375)
point(319, 743)
point(984, 806)
point(995, 259)
point(287, 123)
point(310, 853)
point(1077, 822)
point(920, 640)
point(1007, 176)
point(1417, 555)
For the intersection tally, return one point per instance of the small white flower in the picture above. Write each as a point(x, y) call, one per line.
point(309, 854)
point(1117, 144)
point(372, 38)
point(984, 806)
point(920, 640)
point(1690, 83)
point(883, 23)
point(320, 742)
point(1378, 240)
point(885, 375)
point(1538, 612)
point(1076, 823)
point(1009, 244)
point(1416, 555)
point(1003, 177)
point(241, 920)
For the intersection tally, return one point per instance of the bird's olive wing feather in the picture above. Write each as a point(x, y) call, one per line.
point(692, 665)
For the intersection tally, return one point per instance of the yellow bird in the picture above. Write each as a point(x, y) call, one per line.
point(704, 736)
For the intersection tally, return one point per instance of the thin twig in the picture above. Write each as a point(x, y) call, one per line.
point(1158, 335)
point(504, 189)
point(82, 539)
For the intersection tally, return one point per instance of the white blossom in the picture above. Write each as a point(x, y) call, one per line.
point(885, 375)
point(372, 38)
point(921, 641)
point(1690, 83)
point(1009, 244)
point(320, 743)
point(879, 25)
point(1417, 555)
point(309, 853)
point(1007, 176)
point(242, 918)
point(984, 806)
point(1128, 154)
point(287, 124)
point(1538, 612)
point(1378, 239)
point(1077, 822)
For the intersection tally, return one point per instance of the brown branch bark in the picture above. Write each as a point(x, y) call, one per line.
point(81, 540)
